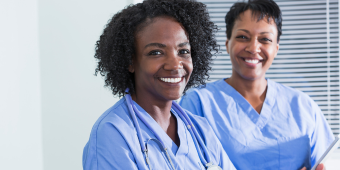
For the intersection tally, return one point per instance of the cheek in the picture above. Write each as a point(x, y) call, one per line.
point(149, 67)
point(234, 52)
point(235, 49)
point(270, 53)
point(188, 66)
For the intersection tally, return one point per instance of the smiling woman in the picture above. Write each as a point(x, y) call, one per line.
point(150, 53)
point(260, 123)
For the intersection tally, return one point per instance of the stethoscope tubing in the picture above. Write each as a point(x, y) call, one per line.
point(185, 119)
point(194, 133)
point(143, 120)
point(139, 134)
point(133, 109)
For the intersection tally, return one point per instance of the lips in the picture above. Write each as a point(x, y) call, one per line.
point(252, 60)
point(171, 80)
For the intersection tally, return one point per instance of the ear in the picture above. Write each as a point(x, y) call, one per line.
point(226, 45)
point(131, 67)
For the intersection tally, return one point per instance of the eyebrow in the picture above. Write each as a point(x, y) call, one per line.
point(163, 45)
point(155, 44)
point(249, 32)
point(183, 44)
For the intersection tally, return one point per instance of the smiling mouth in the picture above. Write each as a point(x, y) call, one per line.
point(252, 61)
point(171, 80)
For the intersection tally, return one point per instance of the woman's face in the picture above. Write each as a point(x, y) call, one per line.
point(252, 46)
point(162, 64)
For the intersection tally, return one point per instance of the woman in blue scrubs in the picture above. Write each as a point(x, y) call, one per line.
point(150, 53)
point(260, 123)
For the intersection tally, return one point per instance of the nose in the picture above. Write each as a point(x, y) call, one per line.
point(253, 47)
point(173, 62)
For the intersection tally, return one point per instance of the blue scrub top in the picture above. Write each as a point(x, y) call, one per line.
point(114, 143)
point(290, 132)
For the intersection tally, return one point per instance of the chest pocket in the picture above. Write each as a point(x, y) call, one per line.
point(260, 155)
point(282, 153)
point(294, 153)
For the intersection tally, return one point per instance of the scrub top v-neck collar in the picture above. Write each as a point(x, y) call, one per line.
point(260, 120)
point(168, 142)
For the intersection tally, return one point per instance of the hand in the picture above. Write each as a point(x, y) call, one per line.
point(319, 167)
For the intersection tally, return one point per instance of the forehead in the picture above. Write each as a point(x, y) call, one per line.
point(160, 28)
point(250, 20)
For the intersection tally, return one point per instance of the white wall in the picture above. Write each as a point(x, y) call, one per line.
point(20, 108)
point(72, 97)
point(137, 1)
point(49, 97)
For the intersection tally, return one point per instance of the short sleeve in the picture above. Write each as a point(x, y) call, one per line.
point(111, 151)
point(322, 136)
point(191, 102)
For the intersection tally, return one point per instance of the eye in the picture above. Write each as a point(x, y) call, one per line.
point(266, 40)
point(184, 51)
point(155, 52)
point(241, 37)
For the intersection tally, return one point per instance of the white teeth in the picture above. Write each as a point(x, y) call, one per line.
point(171, 80)
point(253, 61)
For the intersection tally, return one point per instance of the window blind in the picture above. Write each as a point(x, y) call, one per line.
point(308, 59)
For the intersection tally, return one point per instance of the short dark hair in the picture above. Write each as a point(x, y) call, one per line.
point(116, 46)
point(260, 8)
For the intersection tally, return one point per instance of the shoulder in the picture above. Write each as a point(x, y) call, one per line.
point(202, 99)
point(296, 100)
point(209, 87)
point(287, 92)
point(116, 115)
point(113, 130)
point(203, 91)
point(114, 120)
point(197, 120)
point(201, 123)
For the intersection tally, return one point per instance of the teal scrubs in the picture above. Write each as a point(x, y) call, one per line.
point(289, 133)
point(114, 143)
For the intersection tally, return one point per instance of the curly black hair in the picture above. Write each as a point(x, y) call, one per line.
point(260, 8)
point(116, 46)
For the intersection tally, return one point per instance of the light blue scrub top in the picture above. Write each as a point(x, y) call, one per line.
point(289, 133)
point(114, 143)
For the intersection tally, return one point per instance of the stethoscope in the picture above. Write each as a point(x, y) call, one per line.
point(196, 138)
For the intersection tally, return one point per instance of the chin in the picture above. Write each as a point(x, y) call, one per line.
point(172, 95)
point(251, 77)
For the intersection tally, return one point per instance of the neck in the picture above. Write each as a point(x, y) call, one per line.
point(254, 91)
point(159, 110)
point(248, 88)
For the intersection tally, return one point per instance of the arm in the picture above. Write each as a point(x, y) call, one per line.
point(322, 136)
